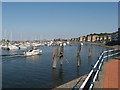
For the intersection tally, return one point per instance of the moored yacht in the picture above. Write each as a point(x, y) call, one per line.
point(81, 44)
point(22, 46)
point(12, 47)
point(4, 47)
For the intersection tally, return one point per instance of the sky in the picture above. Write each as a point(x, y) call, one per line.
point(0, 20)
point(119, 14)
point(49, 20)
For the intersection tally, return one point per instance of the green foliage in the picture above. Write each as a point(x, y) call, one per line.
point(101, 34)
point(8, 41)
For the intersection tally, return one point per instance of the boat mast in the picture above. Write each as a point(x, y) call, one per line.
point(11, 36)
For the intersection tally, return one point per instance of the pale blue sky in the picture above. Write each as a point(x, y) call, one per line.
point(0, 20)
point(119, 14)
point(29, 20)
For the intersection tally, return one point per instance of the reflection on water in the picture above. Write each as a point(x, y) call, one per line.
point(54, 76)
point(61, 77)
point(35, 57)
point(78, 71)
point(36, 71)
point(78, 60)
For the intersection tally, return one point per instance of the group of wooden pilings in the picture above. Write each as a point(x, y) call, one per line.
point(58, 52)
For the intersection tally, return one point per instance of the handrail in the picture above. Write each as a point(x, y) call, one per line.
point(98, 64)
point(89, 75)
point(95, 77)
point(110, 50)
point(84, 83)
point(98, 60)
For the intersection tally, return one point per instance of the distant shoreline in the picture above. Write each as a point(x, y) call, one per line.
point(103, 45)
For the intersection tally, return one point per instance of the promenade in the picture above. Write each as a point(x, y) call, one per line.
point(112, 75)
point(109, 77)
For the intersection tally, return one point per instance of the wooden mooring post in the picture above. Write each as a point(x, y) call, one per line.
point(61, 54)
point(78, 55)
point(55, 55)
point(78, 60)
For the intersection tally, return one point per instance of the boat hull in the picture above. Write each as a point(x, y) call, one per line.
point(36, 52)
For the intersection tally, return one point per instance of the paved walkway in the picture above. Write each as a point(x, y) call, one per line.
point(69, 85)
point(112, 75)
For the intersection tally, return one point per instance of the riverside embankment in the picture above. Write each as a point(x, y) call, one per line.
point(69, 85)
point(102, 74)
point(103, 45)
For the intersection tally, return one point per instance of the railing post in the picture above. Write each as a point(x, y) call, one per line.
point(102, 62)
point(101, 67)
point(98, 64)
point(75, 88)
point(107, 55)
point(93, 74)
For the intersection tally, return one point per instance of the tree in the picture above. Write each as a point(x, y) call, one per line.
point(8, 41)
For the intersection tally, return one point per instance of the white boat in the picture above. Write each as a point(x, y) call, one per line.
point(27, 44)
point(64, 44)
point(12, 47)
point(61, 44)
point(81, 44)
point(68, 42)
point(4, 47)
point(0, 46)
point(22, 47)
point(36, 44)
point(32, 52)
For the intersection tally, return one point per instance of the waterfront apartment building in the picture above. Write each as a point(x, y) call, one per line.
point(82, 38)
point(114, 36)
point(89, 38)
point(98, 38)
point(104, 37)
point(74, 39)
point(108, 38)
point(119, 36)
point(94, 38)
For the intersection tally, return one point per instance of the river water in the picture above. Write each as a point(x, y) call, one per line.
point(36, 71)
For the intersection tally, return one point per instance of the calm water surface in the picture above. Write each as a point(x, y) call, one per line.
point(36, 71)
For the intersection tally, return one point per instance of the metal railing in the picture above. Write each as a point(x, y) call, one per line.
point(93, 74)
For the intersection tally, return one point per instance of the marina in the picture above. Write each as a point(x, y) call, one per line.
point(59, 45)
point(37, 69)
